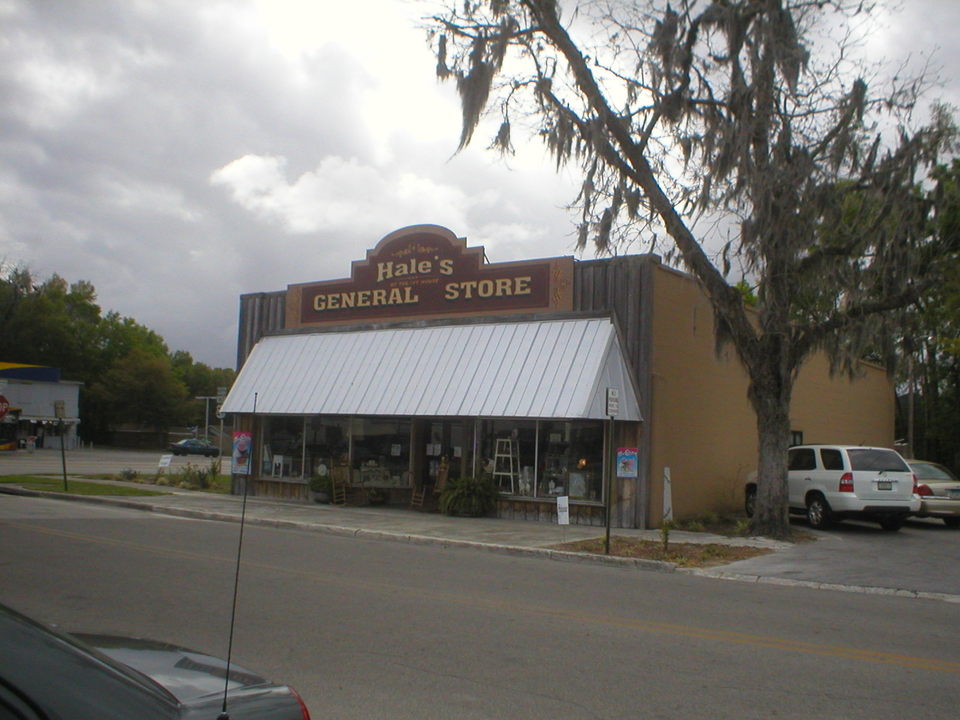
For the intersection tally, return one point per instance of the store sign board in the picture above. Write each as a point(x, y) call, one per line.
point(427, 271)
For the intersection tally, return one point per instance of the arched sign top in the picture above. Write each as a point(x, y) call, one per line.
point(427, 271)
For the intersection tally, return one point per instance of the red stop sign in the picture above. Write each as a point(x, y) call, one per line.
point(4, 406)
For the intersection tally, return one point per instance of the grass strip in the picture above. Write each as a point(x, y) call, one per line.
point(50, 483)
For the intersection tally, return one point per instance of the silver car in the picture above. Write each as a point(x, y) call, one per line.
point(939, 491)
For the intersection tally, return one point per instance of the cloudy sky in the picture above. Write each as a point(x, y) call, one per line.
point(179, 153)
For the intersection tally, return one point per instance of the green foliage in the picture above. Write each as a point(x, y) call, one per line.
point(196, 477)
point(51, 483)
point(142, 390)
point(469, 496)
point(749, 297)
point(321, 483)
point(929, 343)
point(665, 529)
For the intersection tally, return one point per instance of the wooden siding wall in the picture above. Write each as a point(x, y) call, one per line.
point(614, 285)
point(623, 287)
point(260, 314)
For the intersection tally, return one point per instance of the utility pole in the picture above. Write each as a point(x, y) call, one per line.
point(206, 413)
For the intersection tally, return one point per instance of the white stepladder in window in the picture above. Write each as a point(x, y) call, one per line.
point(506, 464)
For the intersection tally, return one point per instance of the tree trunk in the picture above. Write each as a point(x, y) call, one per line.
point(771, 402)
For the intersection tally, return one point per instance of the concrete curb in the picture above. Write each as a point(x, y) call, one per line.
point(786, 582)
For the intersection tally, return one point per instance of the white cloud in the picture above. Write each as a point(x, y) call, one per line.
point(339, 195)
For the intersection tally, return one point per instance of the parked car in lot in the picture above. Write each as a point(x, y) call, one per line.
point(833, 482)
point(194, 446)
point(939, 491)
point(47, 674)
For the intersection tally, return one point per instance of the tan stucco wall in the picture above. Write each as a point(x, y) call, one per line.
point(702, 425)
point(835, 410)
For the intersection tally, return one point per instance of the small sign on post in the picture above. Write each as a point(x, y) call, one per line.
point(563, 510)
point(613, 402)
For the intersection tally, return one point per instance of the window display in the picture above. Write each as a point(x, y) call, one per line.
point(544, 459)
point(508, 448)
point(571, 459)
point(381, 452)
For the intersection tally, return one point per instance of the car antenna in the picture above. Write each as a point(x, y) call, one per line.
point(224, 715)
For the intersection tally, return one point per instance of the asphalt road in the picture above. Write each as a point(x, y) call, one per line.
point(368, 629)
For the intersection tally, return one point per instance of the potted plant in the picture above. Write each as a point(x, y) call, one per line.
point(321, 487)
point(376, 496)
point(469, 497)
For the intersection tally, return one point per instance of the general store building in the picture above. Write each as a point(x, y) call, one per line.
point(596, 381)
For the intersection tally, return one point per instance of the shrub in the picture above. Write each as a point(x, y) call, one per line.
point(129, 474)
point(321, 483)
point(195, 477)
point(469, 496)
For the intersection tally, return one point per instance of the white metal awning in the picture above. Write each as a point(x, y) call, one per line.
point(548, 369)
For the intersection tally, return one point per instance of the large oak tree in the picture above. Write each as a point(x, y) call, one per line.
point(747, 133)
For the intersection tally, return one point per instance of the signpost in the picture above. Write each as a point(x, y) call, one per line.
point(563, 513)
point(59, 411)
point(613, 409)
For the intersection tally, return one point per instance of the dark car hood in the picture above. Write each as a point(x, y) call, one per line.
point(184, 673)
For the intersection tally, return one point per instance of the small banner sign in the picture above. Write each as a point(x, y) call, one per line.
point(627, 462)
point(242, 445)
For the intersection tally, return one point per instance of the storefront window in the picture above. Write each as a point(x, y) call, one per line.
point(283, 446)
point(447, 445)
point(571, 459)
point(381, 452)
point(508, 450)
point(546, 459)
point(328, 442)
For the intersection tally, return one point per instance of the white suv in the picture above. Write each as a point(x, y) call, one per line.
point(832, 482)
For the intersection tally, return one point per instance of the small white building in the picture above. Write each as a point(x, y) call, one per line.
point(36, 406)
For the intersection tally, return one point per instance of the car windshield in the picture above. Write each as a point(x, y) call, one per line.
point(926, 471)
point(876, 460)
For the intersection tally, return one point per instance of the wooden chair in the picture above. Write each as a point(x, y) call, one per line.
point(340, 478)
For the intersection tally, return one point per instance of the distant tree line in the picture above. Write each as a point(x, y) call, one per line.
point(129, 375)
point(928, 350)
